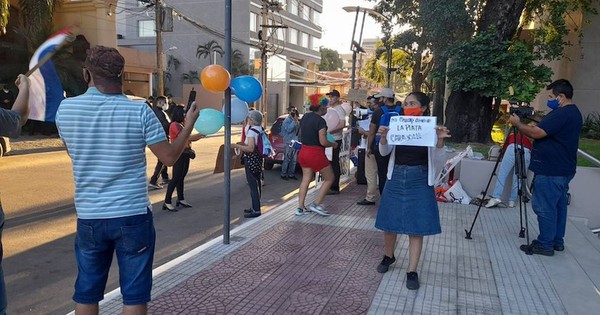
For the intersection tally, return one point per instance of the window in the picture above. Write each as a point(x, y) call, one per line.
point(304, 40)
point(294, 36)
point(316, 17)
point(294, 7)
point(146, 28)
point(253, 19)
point(281, 34)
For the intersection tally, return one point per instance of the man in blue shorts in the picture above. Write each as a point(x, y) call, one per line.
point(553, 160)
point(10, 126)
point(106, 136)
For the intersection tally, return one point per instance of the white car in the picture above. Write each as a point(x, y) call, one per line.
point(4, 146)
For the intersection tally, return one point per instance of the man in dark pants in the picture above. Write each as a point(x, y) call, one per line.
point(553, 161)
point(336, 104)
point(385, 98)
point(161, 169)
point(10, 126)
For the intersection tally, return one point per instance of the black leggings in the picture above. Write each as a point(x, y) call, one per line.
point(180, 169)
point(382, 169)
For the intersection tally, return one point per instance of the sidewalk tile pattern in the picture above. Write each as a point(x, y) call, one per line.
point(285, 264)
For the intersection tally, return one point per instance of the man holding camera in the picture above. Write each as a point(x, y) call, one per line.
point(553, 160)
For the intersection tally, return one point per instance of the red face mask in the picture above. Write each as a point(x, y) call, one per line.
point(413, 111)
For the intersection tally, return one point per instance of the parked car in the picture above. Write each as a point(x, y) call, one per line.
point(4, 146)
point(276, 142)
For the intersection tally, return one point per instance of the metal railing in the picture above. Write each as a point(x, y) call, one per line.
point(588, 157)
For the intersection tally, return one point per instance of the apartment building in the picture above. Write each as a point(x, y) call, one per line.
point(294, 27)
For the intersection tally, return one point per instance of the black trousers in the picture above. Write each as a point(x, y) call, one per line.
point(335, 164)
point(255, 185)
point(180, 169)
point(382, 167)
point(161, 169)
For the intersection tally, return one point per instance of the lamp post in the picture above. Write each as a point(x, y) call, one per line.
point(355, 45)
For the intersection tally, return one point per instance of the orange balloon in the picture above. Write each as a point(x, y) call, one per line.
point(215, 78)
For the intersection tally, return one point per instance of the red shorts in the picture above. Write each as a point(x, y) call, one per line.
point(313, 157)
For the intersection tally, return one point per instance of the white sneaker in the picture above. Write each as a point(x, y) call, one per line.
point(300, 211)
point(493, 202)
point(318, 209)
point(511, 204)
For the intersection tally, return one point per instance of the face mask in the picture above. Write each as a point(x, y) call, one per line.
point(553, 103)
point(166, 106)
point(413, 111)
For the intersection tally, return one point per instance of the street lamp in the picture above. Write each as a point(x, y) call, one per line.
point(355, 46)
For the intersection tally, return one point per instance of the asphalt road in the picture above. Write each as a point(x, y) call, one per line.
point(37, 194)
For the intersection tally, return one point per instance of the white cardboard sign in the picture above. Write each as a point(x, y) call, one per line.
point(412, 130)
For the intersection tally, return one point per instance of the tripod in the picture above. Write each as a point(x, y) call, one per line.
point(520, 171)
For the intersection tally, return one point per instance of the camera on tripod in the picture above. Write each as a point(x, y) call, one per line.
point(523, 111)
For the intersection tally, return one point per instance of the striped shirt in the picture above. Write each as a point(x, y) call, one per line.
point(106, 137)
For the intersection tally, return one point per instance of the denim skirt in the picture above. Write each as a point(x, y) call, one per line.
point(408, 204)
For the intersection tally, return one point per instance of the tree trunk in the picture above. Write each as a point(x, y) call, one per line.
point(469, 117)
point(504, 16)
point(439, 90)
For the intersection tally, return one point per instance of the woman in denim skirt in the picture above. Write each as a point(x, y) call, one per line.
point(408, 204)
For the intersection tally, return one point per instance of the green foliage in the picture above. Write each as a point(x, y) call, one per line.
point(375, 67)
point(591, 147)
point(591, 126)
point(330, 60)
point(555, 19)
point(4, 5)
point(489, 68)
point(238, 65)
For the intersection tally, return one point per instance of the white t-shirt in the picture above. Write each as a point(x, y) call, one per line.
point(252, 134)
point(342, 113)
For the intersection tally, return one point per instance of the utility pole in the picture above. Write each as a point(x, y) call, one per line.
point(262, 37)
point(160, 77)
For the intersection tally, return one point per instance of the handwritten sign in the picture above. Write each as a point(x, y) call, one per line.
point(412, 130)
point(357, 95)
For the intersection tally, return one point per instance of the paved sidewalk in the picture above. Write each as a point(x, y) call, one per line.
point(285, 264)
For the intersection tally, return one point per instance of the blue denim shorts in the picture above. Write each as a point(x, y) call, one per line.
point(133, 240)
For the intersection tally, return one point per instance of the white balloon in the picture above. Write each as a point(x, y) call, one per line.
point(347, 108)
point(332, 118)
point(239, 110)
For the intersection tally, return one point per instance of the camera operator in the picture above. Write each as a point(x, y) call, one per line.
point(553, 160)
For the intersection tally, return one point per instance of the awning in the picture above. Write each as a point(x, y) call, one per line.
point(306, 84)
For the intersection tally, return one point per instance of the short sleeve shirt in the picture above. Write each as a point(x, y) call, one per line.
point(252, 134)
point(106, 137)
point(556, 154)
point(309, 128)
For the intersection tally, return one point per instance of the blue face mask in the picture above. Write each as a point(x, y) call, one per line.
point(553, 103)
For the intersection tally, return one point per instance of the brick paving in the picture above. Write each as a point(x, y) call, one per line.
point(286, 264)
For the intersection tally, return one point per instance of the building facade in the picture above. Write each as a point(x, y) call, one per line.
point(197, 29)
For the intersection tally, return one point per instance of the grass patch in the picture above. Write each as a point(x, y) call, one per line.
point(590, 146)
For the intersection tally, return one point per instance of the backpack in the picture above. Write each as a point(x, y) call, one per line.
point(385, 118)
point(263, 145)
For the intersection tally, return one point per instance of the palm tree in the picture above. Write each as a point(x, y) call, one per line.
point(172, 64)
point(238, 65)
point(190, 77)
point(209, 49)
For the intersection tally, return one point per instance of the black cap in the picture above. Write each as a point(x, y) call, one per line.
point(333, 93)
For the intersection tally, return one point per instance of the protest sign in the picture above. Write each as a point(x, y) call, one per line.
point(412, 130)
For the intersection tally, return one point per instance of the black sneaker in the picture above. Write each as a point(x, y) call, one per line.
point(284, 177)
point(249, 210)
point(252, 214)
point(165, 181)
point(537, 249)
point(293, 177)
point(333, 192)
point(365, 202)
point(558, 248)
point(412, 281)
point(384, 266)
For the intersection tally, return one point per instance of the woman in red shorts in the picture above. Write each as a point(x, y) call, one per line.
point(312, 159)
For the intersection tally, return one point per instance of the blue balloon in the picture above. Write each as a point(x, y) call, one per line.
point(209, 121)
point(239, 110)
point(247, 88)
point(330, 137)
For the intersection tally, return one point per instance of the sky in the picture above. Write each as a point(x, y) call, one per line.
point(337, 24)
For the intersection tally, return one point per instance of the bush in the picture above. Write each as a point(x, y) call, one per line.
point(591, 126)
